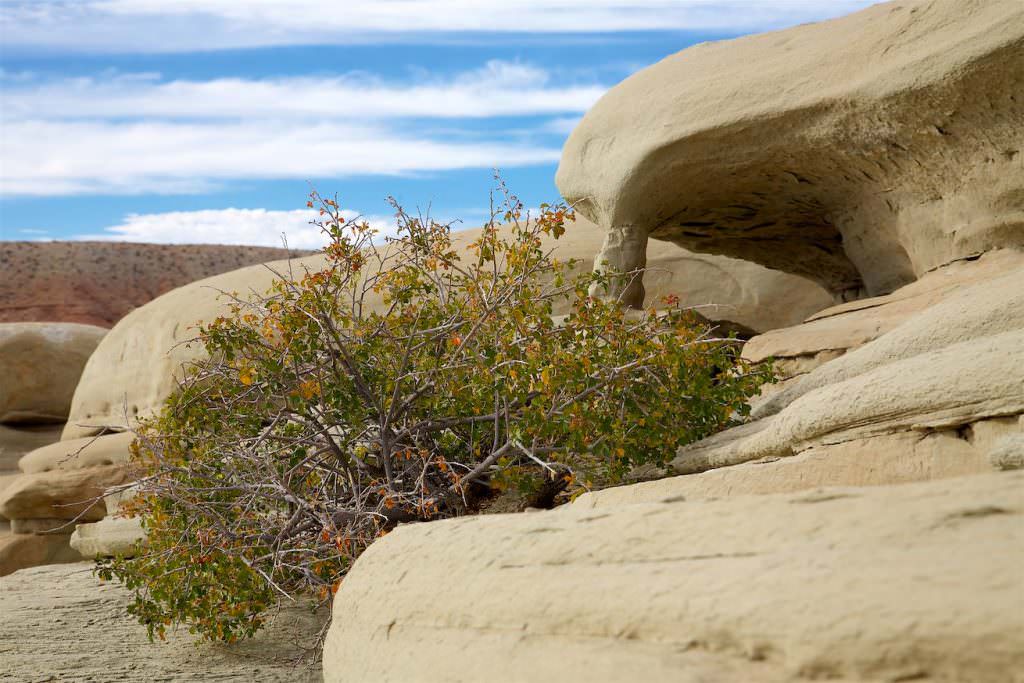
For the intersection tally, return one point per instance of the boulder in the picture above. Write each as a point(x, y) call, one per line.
point(135, 369)
point(75, 454)
point(1009, 453)
point(108, 537)
point(861, 152)
point(41, 364)
point(60, 494)
point(20, 551)
point(945, 389)
point(114, 534)
point(887, 583)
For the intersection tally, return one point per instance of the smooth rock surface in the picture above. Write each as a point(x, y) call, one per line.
point(71, 494)
point(60, 623)
point(956, 385)
point(108, 537)
point(833, 331)
point(76, 454)
point(40, 364)
point(964, 314)
point(898, 458)
point(874, 584)
point(860, 152)
point(134, 370)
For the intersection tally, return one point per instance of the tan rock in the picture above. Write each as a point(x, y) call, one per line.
point(1009, 453)
point(854, 584)
point(861, 152)
point(74, 454)
point(61, 527)
point(966, 313)
point(19, 551)
point(899, 458)
point(72, 494)
point(41, 364)
point(108, 537)
point(18, 440)
point(830, 333)
point(956, 385)
point(134, 370)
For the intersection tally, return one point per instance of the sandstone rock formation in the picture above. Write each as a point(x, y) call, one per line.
point(97, 283)
point(850, 584)
point(860, 152)
point(134, 370)
point(22, 550)
point(40, 364)
point(70, 495)
point(17, 440)
point(113, 535)
point(108, 537)
point(830, 333)
point(931, 398)
point(62, 624)
point(75, 454)
point(58, 486)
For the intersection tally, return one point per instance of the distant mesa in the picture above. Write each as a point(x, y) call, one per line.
point(98, 283)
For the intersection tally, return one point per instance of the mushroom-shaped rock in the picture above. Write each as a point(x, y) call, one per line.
point(860, 152)
point(40, 364)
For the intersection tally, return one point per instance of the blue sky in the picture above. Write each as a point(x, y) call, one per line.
point(209, 120)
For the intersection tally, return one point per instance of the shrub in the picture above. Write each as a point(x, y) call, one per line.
point(402, 382)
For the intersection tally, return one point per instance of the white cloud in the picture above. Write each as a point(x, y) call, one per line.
point(60, 158)
point(133, 133)
point(258, 227)
point(159, 25)
point(497, 89)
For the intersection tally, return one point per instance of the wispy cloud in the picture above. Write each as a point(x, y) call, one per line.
point(61, 158)
point(159, 26)
point(136, 134)
point(258, 227)
point(497, 89)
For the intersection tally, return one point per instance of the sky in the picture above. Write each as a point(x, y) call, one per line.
point(210, 121)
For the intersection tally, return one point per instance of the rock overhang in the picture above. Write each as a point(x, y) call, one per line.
point(860, 152)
